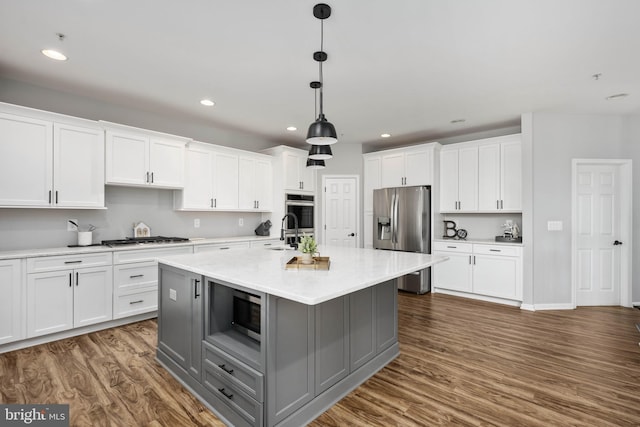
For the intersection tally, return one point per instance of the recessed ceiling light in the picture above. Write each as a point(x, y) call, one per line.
point(207, 102)
point(457, 121)
point(54, 54)
point(617, 96)
point(385, 135)
point(292, 128)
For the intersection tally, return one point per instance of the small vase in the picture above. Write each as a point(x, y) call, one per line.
point(306, 258)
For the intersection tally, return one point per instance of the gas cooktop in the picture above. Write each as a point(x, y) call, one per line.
point(142, 240)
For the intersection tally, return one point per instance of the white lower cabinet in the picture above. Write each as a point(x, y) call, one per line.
point(135, 279)
point(74, 291)
point(480, 269)
point(12, 303)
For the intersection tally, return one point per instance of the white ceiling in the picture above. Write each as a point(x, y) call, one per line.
point(406, 67)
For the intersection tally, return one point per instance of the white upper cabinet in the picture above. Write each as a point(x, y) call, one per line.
point(482, 176)
point(141, 158)
point(49, 162)
point(297, 177)
point(255, 183)
point(225, 179)
point(459, 178)
point(500, 175)
point(408, 166)
point(78, 166)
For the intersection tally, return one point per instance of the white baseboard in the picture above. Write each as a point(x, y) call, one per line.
point(528, 307)
point(563, 306)
point(476, 296)
point(636, 304)
point(17, 345)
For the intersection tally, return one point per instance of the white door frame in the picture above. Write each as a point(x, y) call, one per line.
point(626, 222)
point(324, 205)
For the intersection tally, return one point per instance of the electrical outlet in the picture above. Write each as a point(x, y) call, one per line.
point(72, 225)
point(173, 295)
point(241, 222)
point(196, 223)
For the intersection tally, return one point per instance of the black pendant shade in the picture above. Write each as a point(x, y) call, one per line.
point(320, 152)
point(322, 132)
point(315, 164)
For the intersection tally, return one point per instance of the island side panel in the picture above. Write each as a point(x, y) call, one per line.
point(332, 342)
point(290, 357)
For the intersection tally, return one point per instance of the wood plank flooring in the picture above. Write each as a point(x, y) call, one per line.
point(462, 362)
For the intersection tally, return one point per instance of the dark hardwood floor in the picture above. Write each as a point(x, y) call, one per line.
point(462, 362)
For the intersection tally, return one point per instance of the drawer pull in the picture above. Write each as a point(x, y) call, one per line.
point(224, 368)
point(136, 276)
point(495, 250)
point(226, 247)
point(452, 247)
point(136, 302)
point(227, 395)
point(73, 262)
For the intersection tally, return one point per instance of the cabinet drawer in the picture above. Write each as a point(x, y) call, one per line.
point(135, 303)
point(238, 401)
point(130, 277)
point(453, 246)
point(267, 243)
point(237, 373)
point(64, 262)
point(221, 246)
point(503, 250)
point(142, 255)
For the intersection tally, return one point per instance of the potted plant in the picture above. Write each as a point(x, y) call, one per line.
point(308, 246)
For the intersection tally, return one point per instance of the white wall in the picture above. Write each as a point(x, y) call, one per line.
point(556, 140)
point(631, 150)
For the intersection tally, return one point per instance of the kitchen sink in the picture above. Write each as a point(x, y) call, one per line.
point(509, 239)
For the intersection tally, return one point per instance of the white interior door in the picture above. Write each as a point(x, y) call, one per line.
point(341, 212)
point(597, 231)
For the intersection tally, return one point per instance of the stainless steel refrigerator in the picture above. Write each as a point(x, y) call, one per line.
point(402, 222)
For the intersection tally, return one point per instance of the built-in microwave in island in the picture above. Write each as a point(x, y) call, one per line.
point(246, 314)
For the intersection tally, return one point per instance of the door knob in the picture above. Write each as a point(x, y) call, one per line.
point(617, 242)
point(351, 235)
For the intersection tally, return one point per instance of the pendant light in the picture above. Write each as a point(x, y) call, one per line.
point(321, 132)
point(318, 152)
point(315, 164)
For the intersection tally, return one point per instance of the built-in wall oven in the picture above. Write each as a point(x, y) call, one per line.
point(303, 207)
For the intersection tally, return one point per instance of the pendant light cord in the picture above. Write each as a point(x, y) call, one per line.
point(320, 62)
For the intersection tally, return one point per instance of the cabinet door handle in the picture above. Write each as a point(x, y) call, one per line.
point(211, 202)
point(152, 177)
point(147, 177)
point(501, 204)
point(73, 262)
point(56, 197)
point(495, 250)
point(227, 395)
point(136, 276)
point(224, 368)
point(195, 289)
point(497, 204)
point(474, 260)
point(224, 248)
point(215, 203)
point(49, 196)
point(136, 302)
point(469, 259)
point(69, 279)
point(77, 281)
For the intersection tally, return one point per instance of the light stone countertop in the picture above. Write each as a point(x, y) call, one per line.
point(39, 252)
point(261, 269)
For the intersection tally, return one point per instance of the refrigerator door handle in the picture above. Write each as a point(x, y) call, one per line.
point(395, 218)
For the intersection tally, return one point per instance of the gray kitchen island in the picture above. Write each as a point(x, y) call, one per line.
point(263, 345)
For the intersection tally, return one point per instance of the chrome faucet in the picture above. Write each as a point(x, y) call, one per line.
point(295, 224)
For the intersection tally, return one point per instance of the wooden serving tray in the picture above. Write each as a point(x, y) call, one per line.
point(319, 263)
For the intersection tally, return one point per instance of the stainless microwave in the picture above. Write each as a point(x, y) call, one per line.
point(303, 207)
point(246, 314)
